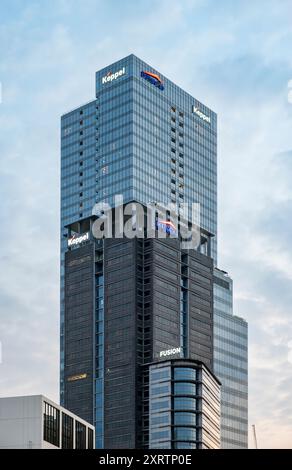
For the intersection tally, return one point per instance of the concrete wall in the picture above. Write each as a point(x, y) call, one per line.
point(21, 423)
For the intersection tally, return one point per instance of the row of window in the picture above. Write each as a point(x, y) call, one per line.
point(51, 430)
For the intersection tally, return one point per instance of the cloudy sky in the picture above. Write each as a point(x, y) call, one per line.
point(235, 56)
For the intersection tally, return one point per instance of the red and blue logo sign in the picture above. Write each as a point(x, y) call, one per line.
point(153, 78)
point(166, 226)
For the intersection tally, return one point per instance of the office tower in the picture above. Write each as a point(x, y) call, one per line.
point(145, 138)
point(230, 364)
point(139, 341)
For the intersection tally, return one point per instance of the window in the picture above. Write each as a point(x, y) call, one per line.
point(184, 388)
point(185, 434)
point(90, 438)
point(162, 434)
point(185, 373)
point(185, 404)
point(67, 432)
point(80, 435)
point(185, 419)
point(160, 390)
point(51, 424)
point(160, 374)
point(160, 405)
point(161, 418)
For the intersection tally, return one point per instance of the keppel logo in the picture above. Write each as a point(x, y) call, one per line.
point(77, 239)
point(109, 77)
point(153, 78)
point(166, 226)
point(170, 352)
point(201, 115)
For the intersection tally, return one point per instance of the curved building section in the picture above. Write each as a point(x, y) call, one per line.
point(184, 406)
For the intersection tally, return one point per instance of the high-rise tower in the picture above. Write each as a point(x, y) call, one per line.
point(144, 138)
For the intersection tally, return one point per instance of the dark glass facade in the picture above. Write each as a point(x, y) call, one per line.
point(124, 300)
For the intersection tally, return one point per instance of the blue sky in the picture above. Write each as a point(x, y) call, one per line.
point(235, 56)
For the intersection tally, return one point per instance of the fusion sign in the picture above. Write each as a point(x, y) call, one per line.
point(170, 352)
point(77, 239)
point(153, 78)
point(201, 115)
point(109, 77)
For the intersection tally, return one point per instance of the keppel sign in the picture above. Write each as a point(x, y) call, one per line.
point(77, 239)
point(201, 115)
point(109, 77)
point(170, 352)
point(153, 78)
point(166, 226)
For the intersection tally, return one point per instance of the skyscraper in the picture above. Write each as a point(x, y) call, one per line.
point(139, 342)
point(146, 139)
point(230, 364)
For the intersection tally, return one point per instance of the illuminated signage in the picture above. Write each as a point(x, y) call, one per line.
point(153, 78)
point(73, 378)
point(166, 226)
point(201, 115)
point(109, 77)
point(77, 239)
point(170, 352)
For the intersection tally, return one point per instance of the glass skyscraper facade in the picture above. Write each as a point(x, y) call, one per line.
point(141, 141)
point(230, 364)
point(181, 416)
point(144, 138)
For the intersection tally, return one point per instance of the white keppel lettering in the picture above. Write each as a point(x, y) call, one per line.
point(109, 77)
point(76, 240)
point(201, 114)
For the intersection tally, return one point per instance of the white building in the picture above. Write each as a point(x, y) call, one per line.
point(35, 422)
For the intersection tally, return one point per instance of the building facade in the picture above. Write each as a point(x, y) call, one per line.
point(35, 422)
point(144, 138)
point(130, 304)
point(230, 364)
